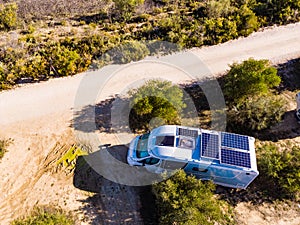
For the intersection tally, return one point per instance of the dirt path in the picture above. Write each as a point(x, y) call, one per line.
point(38, 116)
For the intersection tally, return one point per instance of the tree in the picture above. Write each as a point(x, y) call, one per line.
point(256, 113)
point(156, 99)
point(183, 199)
point(251, 77)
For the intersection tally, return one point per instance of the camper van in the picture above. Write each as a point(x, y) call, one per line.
point(225, 158)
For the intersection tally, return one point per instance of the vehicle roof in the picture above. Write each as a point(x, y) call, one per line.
point(199, 145)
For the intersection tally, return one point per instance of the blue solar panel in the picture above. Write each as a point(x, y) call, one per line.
point(235, 141)
point(187, 132)
point(210, 145)
point(235, 158)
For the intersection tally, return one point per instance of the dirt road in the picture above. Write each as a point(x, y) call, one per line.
point(39, 116)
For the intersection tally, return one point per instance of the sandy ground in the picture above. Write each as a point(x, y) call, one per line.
point(39, 116)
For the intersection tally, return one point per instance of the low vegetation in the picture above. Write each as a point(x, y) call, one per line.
point(256, 113)
point(280, 168)
point(70, 36)
point(8, 16)
point(183, 199)
point(45, 215)
point(3, 146)
point(68, 160)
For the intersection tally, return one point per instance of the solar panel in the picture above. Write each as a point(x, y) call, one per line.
point(187, 132)
point(210, 145)
point(235, 158)
point(235, 141)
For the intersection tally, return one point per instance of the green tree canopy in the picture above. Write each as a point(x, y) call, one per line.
point(256, 113)
point(251, 77)
point(156, 99)
point(183, 199)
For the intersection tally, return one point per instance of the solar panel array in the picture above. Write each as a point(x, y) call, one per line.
point(235, 141)
point(187, 132)
point(210, 145)
point(235, 158)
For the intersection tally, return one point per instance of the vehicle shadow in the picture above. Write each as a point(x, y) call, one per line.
point(110, 202)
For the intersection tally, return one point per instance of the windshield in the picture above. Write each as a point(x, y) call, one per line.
point(142, 146)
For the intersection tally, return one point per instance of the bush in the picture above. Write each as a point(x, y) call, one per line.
point(282, 168)
point(278, 11)
point(155, 99)
point(3, 147)
point(250, 78)
point(247, 21)
point(125, 8)
point(34, 67)
point(126, 53)
point(8, 16)
point(64, 62)
point(256, 113)
point(184, 199)
point(219, 30)
point(45, 216)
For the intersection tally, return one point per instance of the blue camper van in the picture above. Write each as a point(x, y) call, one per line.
point(225, 158)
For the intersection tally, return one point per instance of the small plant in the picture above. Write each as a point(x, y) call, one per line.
point(3, 146)
point(45, 215)
point(8, 16)
point(68, 160)
point(281, 168)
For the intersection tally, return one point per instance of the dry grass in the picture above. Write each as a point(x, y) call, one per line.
point(38, 9)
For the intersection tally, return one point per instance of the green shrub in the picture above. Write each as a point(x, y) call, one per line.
point(217, 9)
point(125, 8)
point(156, 101)
point(249, 78)
point(256, 113)
point(68, 160)
point(281, 168)
point(278, 11)
point(65, 62)
point(247, 21)
point(3, 147)
point(45, 216)
point(34, 67)
point(219, 30)
point(126, 53)
point(184, 199)
point(8, 16)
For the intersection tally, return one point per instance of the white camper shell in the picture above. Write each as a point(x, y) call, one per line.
point(225, 158)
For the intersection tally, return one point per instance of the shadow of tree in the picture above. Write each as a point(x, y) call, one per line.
point(95, 18)
point(290, 75)
point(115, 114)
